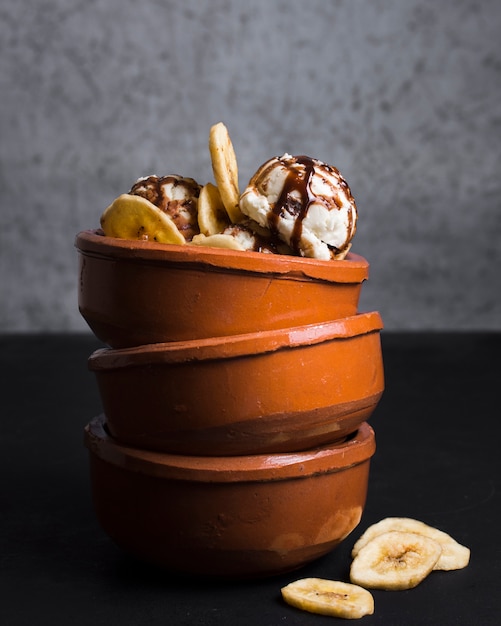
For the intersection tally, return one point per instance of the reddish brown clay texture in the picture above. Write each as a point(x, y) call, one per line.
point(274, 391)
point(134, 292)
point(241, 516)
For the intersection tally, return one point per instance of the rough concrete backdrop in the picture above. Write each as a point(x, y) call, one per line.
point(403, 96)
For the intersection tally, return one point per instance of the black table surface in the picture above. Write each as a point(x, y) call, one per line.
point(437, 459)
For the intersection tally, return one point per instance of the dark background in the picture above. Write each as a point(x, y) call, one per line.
point(437, 459)
point(403, 97)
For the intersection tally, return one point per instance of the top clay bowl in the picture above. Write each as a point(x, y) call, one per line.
point(244, 516)
point(275, 391)
point(137, 292)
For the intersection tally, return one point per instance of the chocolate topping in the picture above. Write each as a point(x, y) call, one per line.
point(182, 211)
point(297, 196)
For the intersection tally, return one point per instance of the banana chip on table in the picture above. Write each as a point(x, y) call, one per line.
point(329, 597)
point(454, 555)
point(225, 169)
point(395, 560)
point(212, 216)
point(135, 217)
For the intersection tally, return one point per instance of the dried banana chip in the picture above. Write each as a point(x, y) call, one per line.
point(225, 169)
point(340, 256)
point(329, 597)
point(135, 217)
point(454, 555)
point(395, 560)
point(212, 216)
point(217, 241)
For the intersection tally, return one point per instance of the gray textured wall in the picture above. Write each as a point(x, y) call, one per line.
point(403, 96)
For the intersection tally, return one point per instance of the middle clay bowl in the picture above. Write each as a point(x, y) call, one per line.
point(241, 516)
point(274, 391)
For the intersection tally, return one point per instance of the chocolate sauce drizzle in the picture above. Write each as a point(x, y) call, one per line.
point(295, 198)
point(152, 188)
point(183, 212)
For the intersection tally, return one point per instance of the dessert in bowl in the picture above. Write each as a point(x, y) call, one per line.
point(238, 376)
point(229, 516)
point(178, 261)
point(272, 391)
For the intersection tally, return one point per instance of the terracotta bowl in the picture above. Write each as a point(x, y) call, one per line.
point(229, 516)
point(274, 391)
point(133, 293)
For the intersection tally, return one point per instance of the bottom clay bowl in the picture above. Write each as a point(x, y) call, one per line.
point(244, 516)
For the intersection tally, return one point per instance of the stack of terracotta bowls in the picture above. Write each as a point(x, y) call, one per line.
point(236, 389)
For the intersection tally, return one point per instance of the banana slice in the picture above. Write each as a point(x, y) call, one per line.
point(454, 555)
point(395, 560)
point(217, 241)
point(135, 217)
point(212, 216)
point(340, 256)
point(225, 169)
point(329, 597)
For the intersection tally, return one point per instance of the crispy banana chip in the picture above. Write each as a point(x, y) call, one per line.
point(225, 169)
point(135, 217)
point(395, 560)
point(329, 597)
point(340, 256)
point(454, 555)
point(212, 216)
point(217, 241)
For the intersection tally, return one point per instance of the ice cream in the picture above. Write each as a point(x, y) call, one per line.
point(292, 205)
point(305, 202)
point(176, 196)
point(246, 235)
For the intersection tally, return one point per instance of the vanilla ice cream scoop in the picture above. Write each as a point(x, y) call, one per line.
point(175, 195)
point(305, 202)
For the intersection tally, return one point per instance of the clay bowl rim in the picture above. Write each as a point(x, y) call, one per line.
point(231, 346)
point(353, 269)
point(326, 459)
